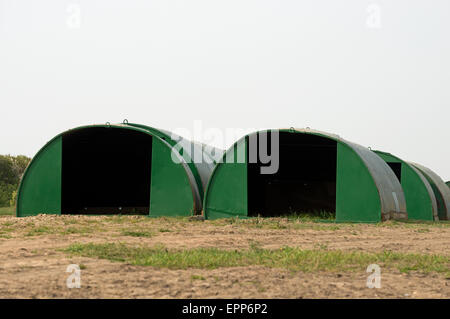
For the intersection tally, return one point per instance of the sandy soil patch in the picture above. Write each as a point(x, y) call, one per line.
point(32, 265)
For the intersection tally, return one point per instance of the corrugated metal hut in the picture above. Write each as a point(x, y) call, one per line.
point(117, 169)
point(316, 172)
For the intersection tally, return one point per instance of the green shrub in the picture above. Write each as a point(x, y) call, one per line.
point(11, 171)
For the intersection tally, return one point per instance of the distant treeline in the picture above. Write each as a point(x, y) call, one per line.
point(11, 171)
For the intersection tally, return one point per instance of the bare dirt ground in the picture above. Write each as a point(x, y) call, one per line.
point(33, 265)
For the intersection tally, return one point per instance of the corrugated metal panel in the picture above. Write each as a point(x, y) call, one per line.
point(420, 199)
point(228, 193)
point(443, 189)
point(165, 191)
point(430, 192)
point(393, 204)
point(194, 183)
point(390, 193)
point(202, 156)
point(199, 157)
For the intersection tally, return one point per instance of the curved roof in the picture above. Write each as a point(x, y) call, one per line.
point(191, 151)
point(390, 192)
point(425, 184)
point(386, 181)
point(162, 137)
point(442, 188)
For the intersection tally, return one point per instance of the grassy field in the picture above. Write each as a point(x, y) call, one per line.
point(7, 211)
point(289, 257)
point(294, 259)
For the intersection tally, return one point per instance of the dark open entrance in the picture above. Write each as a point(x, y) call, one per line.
point(106, 171)
point(304, 183)
point(397, 169)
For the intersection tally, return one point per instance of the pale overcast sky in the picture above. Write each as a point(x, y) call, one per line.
point(375, 72)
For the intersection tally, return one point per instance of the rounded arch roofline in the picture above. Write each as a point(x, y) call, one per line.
point(201, 170)
point(422, 178)
point(107, 125)
point(150, 131)
point(442, 187)
point(332, 136)
point(383, 177)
